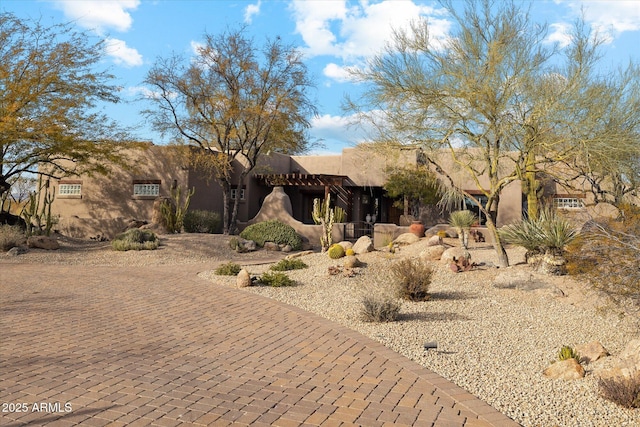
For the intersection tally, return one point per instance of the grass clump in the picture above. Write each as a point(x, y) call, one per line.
point(379, 308)
point(276, 279)
point(289, 264)
point(136, 240)
point(567, 352)
point(623, 391)
point(412, 279)
point(200, 221)
point(228, 269)
point(272, 231)
point(10, 236)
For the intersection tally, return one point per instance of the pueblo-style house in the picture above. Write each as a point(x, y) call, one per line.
point(101, 205)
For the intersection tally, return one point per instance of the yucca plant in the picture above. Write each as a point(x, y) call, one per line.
point(544, 238)
point(462, 222)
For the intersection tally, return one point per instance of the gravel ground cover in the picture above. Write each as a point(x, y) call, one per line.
point(491, 341)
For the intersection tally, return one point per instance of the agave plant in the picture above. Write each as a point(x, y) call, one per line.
point(462, 222)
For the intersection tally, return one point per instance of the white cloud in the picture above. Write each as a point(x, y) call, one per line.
point(100, 15)
point(337, 72)
point(336, 128)
point(251, 10)
point(560, 33)
point(355, 30)
point(122, 54)
point(609, 18)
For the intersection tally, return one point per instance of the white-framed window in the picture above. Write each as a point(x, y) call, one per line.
point(70, 189)
point(568, 203)
point(234, 193)
point(151, 190)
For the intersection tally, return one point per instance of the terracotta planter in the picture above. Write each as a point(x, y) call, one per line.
point(417, 228)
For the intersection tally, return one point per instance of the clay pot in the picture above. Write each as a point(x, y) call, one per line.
point(417, 228)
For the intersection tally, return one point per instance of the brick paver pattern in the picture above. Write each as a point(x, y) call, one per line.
point(131, 346)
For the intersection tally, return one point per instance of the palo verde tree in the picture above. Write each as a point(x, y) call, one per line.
point(49, 90)
point(237, 101)
point(455, 100)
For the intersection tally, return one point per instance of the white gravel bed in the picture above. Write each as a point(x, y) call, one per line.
point(493, 342)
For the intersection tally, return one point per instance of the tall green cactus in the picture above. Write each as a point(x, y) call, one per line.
point(173, 211)
point(37, 211)
point(323, 215)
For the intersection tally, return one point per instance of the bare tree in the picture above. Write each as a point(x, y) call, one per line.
point(49, 90)
point(236, 101)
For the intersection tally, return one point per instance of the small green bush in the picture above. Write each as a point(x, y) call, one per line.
point(567, 352)
point(276, 279)
point(378, 308)
point(289, 264)
point(10, 236)
point(135, 239)
point(335, 251)
point(624, 391)
point(412, 279)
point(199, 221)
point(228, 269)
point(272, 231)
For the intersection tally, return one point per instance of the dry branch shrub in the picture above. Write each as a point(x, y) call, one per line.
point(379, 308)
point(607, 256)
point(10, 236)
point(412, 279)
point(624, 391)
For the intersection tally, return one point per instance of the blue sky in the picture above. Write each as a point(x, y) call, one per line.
point(333, 34)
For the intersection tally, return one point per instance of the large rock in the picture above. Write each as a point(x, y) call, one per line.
point(456, 253)
point(363, 245)
point(568, 369)
point(406, 239)
point(591, 352)
point(350, 261)
point(434, 241)
point(432, 253)
point(271, 246)
point(243, 279)
point(346, 245)
point(17, 250)
point(43, 242)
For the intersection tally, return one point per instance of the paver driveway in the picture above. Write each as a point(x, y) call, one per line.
point(159, 346)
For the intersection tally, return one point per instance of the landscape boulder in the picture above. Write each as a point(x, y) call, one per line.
point(432, 253)
point(455, 253)
point(346, 245)
point(243, 279)
point(43, 242)
point(270, 246)
point(363, 245)
point(591, 352)
point(17, 250)
point(568, 369)
point(434, 241)
point(286, 248)
point(406, 239)
point(351, 261)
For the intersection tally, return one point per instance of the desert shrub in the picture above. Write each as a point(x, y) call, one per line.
point(567, 352)
point(289, 264)
point(10, 236)
point(607, 256)
point(379, 308)
point(199, 221)
point(228, 269)
point(276, 279)
point(624, 391)
point(412, 279)
point(272, 231)
point(135, 239)
point(349, 252)
point(462, 221)
point(335, 251)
